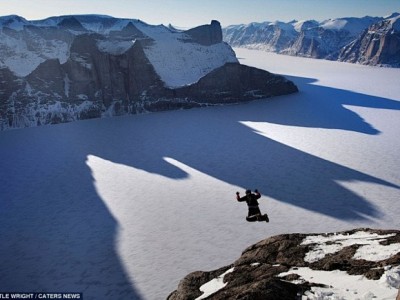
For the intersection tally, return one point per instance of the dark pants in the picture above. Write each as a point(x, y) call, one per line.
point(255, 215)
point(253, 211)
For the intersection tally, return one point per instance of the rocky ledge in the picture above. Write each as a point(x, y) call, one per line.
point(355, 264)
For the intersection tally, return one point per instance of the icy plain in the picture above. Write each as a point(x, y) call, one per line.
point(123, 208)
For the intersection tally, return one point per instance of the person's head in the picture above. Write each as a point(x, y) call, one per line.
point(248, 192)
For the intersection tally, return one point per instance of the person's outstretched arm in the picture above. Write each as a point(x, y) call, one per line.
point(240, 199)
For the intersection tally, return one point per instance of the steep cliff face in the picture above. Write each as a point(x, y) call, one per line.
point(319, 42)
point(233, 81)
point(275, 37)
point(378, 45)
point(368, 40)
point(206, 34)
point(76, 67)
point(345, 265)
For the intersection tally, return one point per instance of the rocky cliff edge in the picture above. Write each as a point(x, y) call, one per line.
point(356, 264)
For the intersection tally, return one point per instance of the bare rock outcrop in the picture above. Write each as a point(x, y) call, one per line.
point(367, 40)
point(268, 269)
point(378, 45)
point(206, 34)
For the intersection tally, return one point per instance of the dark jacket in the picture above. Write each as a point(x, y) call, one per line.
point(251, 200)
point(254, 213)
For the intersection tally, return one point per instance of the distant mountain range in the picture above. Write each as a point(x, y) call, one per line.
point(69, 68)
point(367, 40)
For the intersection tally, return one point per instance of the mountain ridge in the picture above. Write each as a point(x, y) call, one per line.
point(290, 266)
point(329, 39)
point(74, 67)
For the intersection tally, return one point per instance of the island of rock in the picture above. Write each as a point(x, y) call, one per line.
point(291, 265)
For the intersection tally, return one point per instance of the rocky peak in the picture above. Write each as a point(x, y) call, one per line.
point(377, 45)
point(129, 31)
point(395, 22)
point(13, 22)
point(206, 34)
point(71, 23)
point(291, 265)
point(77, 67)
point(367, 40)
point(393, 15)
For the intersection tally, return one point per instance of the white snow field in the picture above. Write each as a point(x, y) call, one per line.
point(123, 208)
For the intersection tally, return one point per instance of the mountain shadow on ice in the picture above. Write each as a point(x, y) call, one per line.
point(57, 233)
point(215, 142)
point(324, 107)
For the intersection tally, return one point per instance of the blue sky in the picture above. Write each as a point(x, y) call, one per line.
point(190, 13)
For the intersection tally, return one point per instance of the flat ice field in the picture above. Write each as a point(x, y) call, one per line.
point(123, 208)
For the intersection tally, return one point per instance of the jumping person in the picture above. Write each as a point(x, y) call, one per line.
point(254, 211)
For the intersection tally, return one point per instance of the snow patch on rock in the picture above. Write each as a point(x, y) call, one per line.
point(213, 285)
point(371, 250)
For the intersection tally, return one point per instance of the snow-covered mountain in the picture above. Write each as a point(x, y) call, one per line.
point(378, 45)
point(77, 67)
point(334, 39)
point(27, 44)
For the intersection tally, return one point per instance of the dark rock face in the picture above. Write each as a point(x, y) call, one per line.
point(85, 70)
point(319, 43)
point(378, 45)
point(232, 82)
point(368, 40)
point(256, 274)
point(71, 23)
point(206, 34)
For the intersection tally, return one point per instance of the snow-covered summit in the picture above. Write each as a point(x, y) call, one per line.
point(392, 15)
point(377, 45)
point(352, 25)
point(13, 22)
point(86, 66)
point(304, 25)
point(395, 21)
point(177, 58)
point(317, 39)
